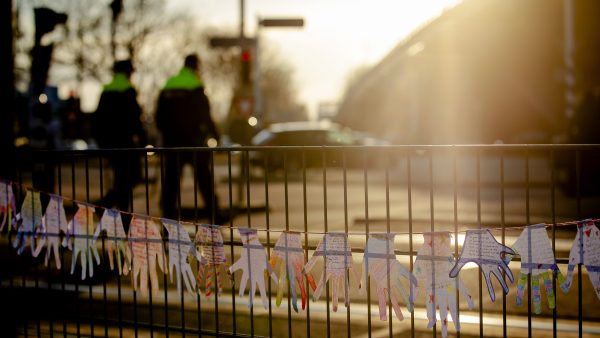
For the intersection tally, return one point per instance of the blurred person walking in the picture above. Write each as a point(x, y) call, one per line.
point(184, 120)
point(117, 124)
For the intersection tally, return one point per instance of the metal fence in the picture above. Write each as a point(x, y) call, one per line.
point(407, 190)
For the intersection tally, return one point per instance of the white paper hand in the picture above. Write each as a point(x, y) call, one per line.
point(53, 221)
point(7, 205)
point(337, 254)
point(537, 257)
point(112, 223)
point(31, 219)
point(209, 243)
point(586, 251)
point(432, 269)
point(482, 248)
point(81, 227)
point(289, 255)
point(253, 263)
point(180, 247)
point(145, 245)
point(385, 270)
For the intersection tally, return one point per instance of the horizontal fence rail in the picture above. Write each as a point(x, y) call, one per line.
point(409, 191)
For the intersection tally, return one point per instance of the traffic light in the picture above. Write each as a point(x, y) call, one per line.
point(45, 21)
point(246, 66)
point(116, 7)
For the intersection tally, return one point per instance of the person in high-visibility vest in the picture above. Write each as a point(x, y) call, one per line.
point(184, 120)
point(117, 124)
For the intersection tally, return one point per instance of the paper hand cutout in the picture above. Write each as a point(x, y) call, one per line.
point(209, 242)
point(385, 270)
point(54, 220)
point(145, 246)
point(337, 254)
point(180, 247)
point(432, 269)
point(82, 228)
point(482, 248)
point(253, 263)
point(586, 251)
point(112, 223)
point(289, 255)
point(535, 249)
point(7, 205)
point(31, 219)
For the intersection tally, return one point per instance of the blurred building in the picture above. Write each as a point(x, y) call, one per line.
point(484, 71)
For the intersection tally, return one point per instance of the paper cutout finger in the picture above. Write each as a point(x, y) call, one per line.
point(180, 247)
point(288, 254)
point(432, 269)
point(337, 254)
point(31, 218)
point(537, 257)
point(482, 248)
point(116, 245)
point(209, 243)
point(253, 263)
point(53, 221)
point(385, 270)
point(7, 205)
point(146, 250)
point(586, 251)
point(80, 239)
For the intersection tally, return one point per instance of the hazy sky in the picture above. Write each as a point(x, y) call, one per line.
point(338, 36)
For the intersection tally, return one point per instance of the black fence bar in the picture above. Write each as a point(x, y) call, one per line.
point(360, 191)
point(503, 223)
point(479, 225)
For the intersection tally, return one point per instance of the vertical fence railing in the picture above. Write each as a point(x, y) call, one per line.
point(315, 190)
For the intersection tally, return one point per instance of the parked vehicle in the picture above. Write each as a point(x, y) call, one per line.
point(312, 133)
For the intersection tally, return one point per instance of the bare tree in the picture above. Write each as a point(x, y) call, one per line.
point(157, 43)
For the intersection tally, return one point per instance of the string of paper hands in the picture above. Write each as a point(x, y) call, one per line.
point(141, 250)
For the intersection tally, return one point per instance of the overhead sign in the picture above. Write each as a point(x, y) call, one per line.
point(227, 42)
point(282, 22)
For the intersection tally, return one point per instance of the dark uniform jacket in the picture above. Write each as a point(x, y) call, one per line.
point(183, 112)
point(118, 117)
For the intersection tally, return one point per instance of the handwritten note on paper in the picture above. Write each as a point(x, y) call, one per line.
point(112, 223)
point(435, 259)
point(537, 257)
point(180, 247)
point(289, 255)
point(7, 204)
point(53, 221)
point(146, 251)
point(209, 242)
point(31, 218)
point(385, 270)
point(586, 251)
point(82, 229)
point(535, 249)
point(482, 248)
point(432, 269)
point(288, 242)
point(335, 248)
point(253, 263)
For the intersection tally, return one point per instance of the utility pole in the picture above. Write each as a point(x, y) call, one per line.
point(7, 90)
point(116, 7)
point(242, 13)
point(568, 49)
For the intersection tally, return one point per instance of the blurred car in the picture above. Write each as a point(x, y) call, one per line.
point(312, 133)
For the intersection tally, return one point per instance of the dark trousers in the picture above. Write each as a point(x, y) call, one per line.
point(126, 174)
point(174, 164)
